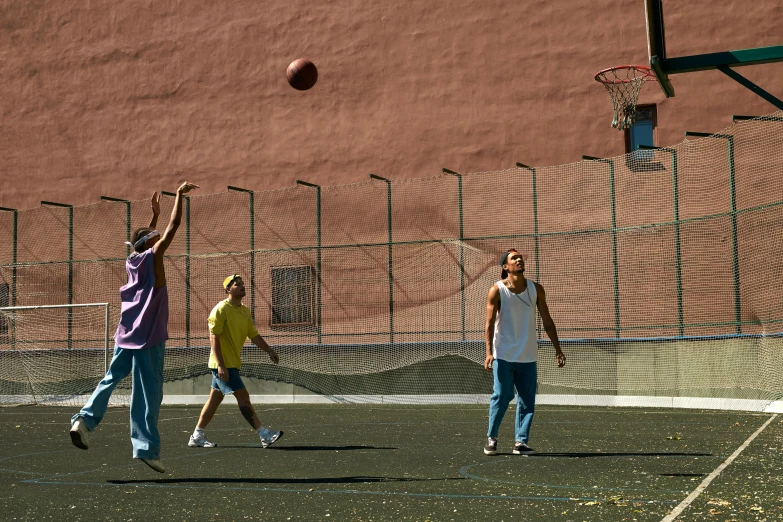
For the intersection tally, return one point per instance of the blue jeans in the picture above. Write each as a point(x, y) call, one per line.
point(146, 396)
point(510, 375)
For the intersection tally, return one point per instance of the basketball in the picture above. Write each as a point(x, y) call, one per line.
point(302, 74)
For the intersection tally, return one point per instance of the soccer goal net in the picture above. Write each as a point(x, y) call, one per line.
point(53, 353)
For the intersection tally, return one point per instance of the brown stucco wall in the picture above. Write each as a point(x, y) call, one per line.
point(109, 98)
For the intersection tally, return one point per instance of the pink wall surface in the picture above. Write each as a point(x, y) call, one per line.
point(122, 98)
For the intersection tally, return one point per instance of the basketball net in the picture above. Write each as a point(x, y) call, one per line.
point(624, 83)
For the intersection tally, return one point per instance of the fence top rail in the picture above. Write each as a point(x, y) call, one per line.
point(82, 305)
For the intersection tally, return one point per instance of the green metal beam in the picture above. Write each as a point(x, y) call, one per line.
point(663, 78)
point(737, 77)
point(188, 286)
point(535, 215)
point(127, 218)
point(14, 250)
point(738, 58)
point(615, 260)
point(70, 265)
point(391, 266)
point(733, 214)
point(186, 199)
point(318, 305)
point(535, 231)
point(251, 194)
point(461, 246)
point(677, 241)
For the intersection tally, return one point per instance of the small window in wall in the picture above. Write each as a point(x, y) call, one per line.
point(642, 132)
point(293, 289)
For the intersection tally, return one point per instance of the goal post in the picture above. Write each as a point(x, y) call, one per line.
point(52, 353)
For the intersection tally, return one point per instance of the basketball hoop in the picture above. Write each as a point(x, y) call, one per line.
point(624, 83)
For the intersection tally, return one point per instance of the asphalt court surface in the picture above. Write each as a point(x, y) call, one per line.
point(360, 462)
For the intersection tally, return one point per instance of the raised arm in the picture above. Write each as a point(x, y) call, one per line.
point(155, 203)
point(549, 324)
point(493, 306)
point(176, 217)
point(159, 248)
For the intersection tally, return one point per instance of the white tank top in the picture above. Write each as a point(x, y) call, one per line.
point(515, 326)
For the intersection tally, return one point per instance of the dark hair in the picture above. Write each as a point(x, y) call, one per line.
point(503, 259)
point(140, 233)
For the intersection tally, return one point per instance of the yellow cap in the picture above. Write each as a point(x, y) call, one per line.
point(230, 279)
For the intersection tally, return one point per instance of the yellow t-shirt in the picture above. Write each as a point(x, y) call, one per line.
point(234, 325)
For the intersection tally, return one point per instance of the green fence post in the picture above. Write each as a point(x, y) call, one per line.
point(317, 188)
point(733, 211)
point(615, 262)
point(535, 214)
point(12, 300)
point(391, 266)
point(461, 246)
point(187, 271)
point(186, 199)
point(252, 249)
point(127, 219)
point(535, 228)
point(70, 265)
point(677, 247)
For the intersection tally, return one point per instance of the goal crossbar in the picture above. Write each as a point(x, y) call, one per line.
point(106, 356)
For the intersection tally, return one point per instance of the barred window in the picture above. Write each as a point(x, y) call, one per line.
point(642, 132)
point(293, 291)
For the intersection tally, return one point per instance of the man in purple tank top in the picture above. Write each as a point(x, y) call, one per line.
point(512, 348)
point(140, 341)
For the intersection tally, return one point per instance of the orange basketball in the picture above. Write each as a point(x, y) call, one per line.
point(302, 74)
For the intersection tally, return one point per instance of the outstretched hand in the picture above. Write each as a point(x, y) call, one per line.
point(186, 187)
point(560, 359)
point(155, 202)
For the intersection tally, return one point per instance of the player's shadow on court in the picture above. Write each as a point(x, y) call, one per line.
point(581, 455)
point(314, 480)
point(308, 448)
point(328, 448)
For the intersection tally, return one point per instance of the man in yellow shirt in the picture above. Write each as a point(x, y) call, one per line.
point(230, 323)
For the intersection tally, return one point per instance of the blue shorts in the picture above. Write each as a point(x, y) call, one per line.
point(227, 388)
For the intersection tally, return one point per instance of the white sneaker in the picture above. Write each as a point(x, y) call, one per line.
point(268, 437)
point(79, 433)
point(200, 441)
point(154, 464)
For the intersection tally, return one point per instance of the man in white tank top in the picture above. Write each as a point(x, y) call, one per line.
point(512, 348)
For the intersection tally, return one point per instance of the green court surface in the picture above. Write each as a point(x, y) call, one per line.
point(357, 462)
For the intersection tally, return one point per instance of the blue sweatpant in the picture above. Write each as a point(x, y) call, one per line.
point(146, 396)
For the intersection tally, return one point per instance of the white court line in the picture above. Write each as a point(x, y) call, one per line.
point(706, 482)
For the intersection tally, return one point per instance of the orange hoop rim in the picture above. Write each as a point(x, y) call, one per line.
point(645, 74)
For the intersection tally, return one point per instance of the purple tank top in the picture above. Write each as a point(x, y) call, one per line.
point(145, 309)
